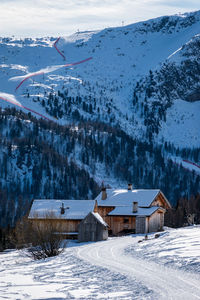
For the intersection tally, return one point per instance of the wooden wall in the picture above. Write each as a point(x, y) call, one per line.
point(117, 223)
point(141, 225)
point(62, 225)
point(104, 211)
point(91, 229)
point(156, 222)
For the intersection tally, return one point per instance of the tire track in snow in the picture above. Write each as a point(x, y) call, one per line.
point(166, 283)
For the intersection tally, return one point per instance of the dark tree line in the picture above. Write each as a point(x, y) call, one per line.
point(186, 212)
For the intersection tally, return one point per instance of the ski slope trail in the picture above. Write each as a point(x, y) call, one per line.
point(166, 283)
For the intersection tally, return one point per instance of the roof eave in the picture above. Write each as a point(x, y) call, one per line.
point(166, 199)
point(159, 192)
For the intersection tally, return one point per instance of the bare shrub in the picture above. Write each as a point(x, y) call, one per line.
point(43, 237)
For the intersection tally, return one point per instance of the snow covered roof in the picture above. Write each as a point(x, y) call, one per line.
point(74, 209)
point(128, 211)
point(99, 218)
point(123, 197)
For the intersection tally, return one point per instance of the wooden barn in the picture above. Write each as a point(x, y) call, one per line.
point(130, 210)
point(92, 228)
point(66, 213)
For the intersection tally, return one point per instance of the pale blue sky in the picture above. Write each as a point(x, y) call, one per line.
point(63, 17)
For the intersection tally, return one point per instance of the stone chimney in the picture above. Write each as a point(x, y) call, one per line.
point(135, 207)
point(103, 193)
point(129, 187)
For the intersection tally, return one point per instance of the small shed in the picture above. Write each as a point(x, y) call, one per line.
point(92, 228)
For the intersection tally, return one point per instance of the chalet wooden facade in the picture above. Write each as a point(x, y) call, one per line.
point(67, 213)
point(122, 210)
point(136, 211)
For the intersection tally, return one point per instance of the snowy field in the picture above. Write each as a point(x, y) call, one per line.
point(167, 267)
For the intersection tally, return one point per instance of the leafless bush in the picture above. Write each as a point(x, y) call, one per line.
point(43, 237)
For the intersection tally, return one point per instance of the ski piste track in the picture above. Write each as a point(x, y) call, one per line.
point(165, 283)
point(190, 162)
point(57, 68)
point(29, 76)
point(22, 106)
point(187, 162)
point(42, 73)
point(55, 46)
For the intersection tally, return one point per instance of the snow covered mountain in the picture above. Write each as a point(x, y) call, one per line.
point(129, 114)
point(144, 77)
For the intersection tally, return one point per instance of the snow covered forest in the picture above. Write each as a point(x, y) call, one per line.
point(42, 159)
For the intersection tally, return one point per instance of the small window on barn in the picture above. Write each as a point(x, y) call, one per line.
point(126, 220)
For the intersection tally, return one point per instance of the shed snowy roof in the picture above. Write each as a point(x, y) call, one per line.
point(74, 209)
point(123, 197)
point(128, 211)
point(99, 218)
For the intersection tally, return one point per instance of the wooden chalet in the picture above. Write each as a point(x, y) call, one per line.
point(67, 213)
point(119, 210)
point(129, 210)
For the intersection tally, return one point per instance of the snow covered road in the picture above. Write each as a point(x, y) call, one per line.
point(166, 283)
point(119, 269)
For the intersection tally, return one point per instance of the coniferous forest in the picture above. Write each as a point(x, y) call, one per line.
point(41, 159)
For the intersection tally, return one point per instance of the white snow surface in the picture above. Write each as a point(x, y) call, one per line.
point(99, 218)
point(74, 209)
point(124, 197)
point(182, 125)
point(187, 165)
point(48, 69)
point(10, 97)
point(120, 268)
point(128, 211)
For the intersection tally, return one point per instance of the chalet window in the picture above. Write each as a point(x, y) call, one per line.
point(126, 220)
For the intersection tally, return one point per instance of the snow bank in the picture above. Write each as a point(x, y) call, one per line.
point(177, 248)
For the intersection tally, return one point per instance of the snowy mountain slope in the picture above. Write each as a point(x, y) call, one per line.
point(182, 126)
point(120, 268)
point(170, 96)
point(121, 57)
